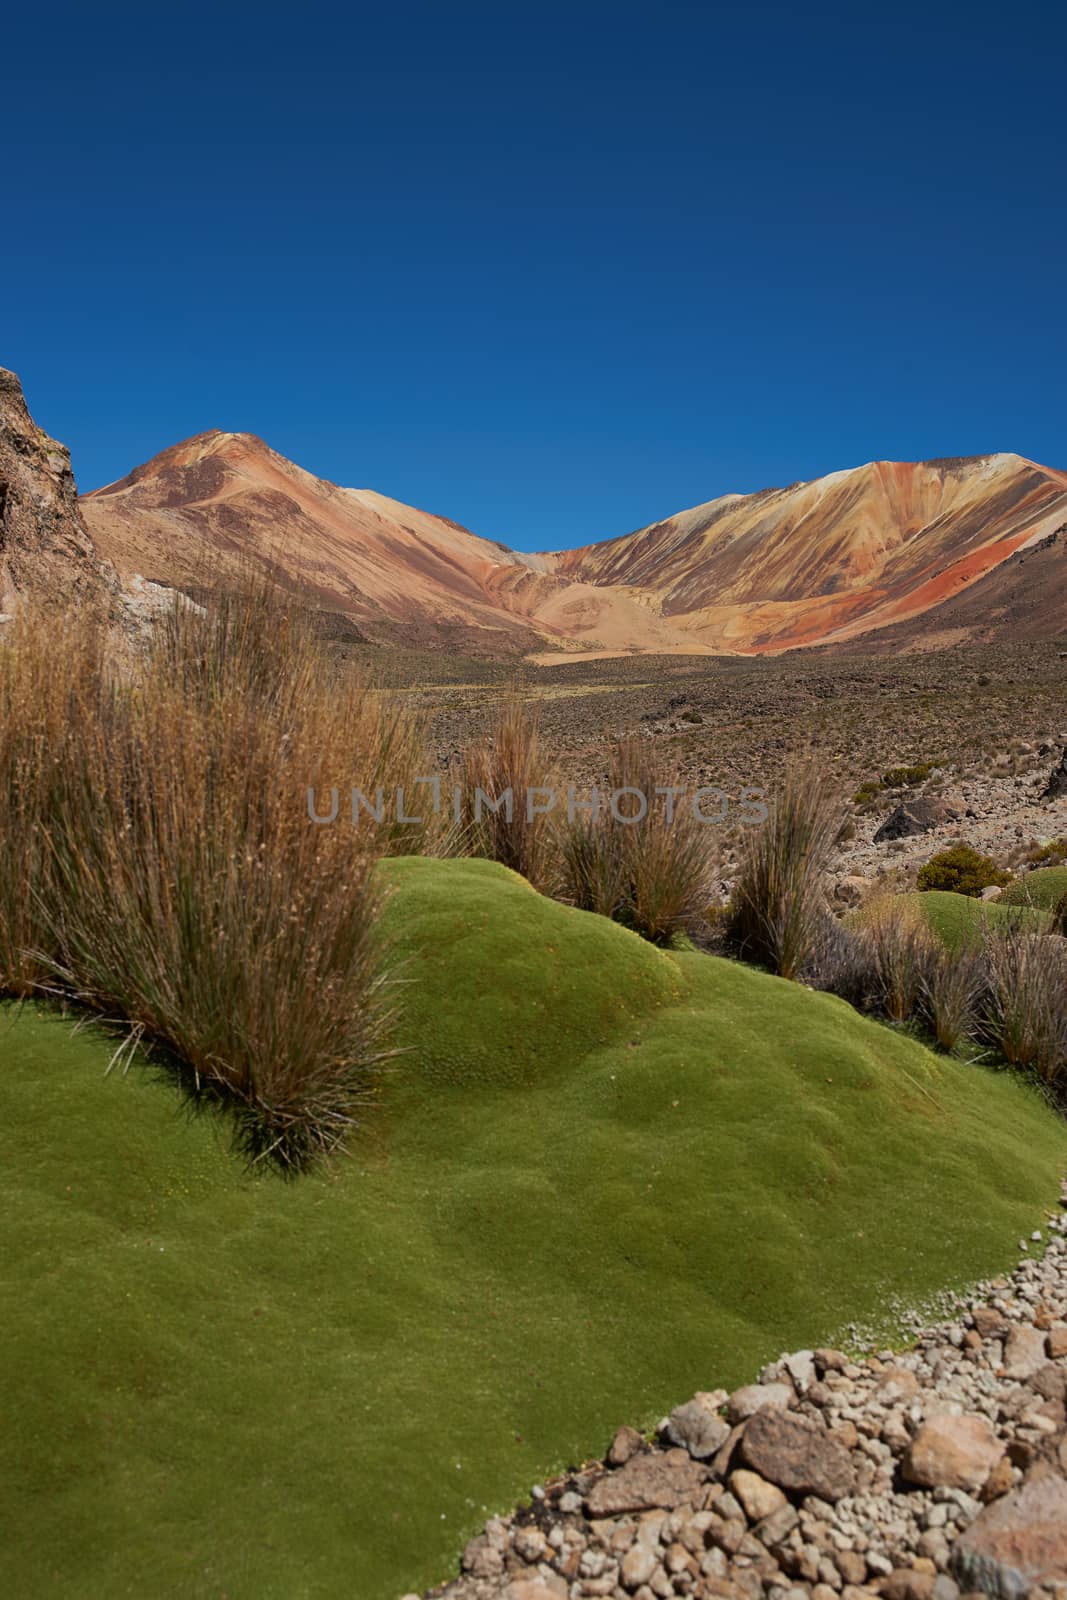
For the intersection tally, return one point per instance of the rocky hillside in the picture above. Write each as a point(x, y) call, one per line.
point(1025, 597)
point(884, 551)
point(44, 543)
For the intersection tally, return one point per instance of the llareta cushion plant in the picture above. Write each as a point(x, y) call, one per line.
point(230, 1384)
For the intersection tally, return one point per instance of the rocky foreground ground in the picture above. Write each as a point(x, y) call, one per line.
point(931, 1474)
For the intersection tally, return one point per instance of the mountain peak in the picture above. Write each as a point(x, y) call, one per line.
point(177, 466)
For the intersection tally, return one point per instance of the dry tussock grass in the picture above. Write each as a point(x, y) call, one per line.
point(158, 864)
point(778, 907)
point(509, 760)
point(651, 873)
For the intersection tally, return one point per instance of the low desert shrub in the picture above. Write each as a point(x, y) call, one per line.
point(962, 870)
point(778, 906)
point(903, 777)
point(868, 792)
point(649, 872)
point(1053, 853)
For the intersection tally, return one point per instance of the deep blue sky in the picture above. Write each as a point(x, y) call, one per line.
point(552, 270)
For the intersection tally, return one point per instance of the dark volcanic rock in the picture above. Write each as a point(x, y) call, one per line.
point(916, 816)
point(1057, 783)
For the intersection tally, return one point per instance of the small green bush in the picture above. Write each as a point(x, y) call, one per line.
point(962, 870)
point(904, 777)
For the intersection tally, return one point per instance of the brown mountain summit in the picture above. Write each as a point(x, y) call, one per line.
point(886, 546)
point(224, 496)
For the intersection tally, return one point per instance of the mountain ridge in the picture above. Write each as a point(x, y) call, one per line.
point(822, 561)
point(835, 556)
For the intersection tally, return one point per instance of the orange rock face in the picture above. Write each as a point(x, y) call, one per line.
point(825, 562)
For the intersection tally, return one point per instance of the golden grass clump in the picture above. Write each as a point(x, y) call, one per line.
point(499, 800)
point(51, 670)
point(1024, 1011)
point(161, 867)
point(899, 949)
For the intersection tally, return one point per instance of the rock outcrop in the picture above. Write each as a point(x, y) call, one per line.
point(918, 815)
point(44, 543)
point(1056, 787)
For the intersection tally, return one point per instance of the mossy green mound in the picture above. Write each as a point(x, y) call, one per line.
point(1045, 887)
point(959, 920)
point(603, 1176)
